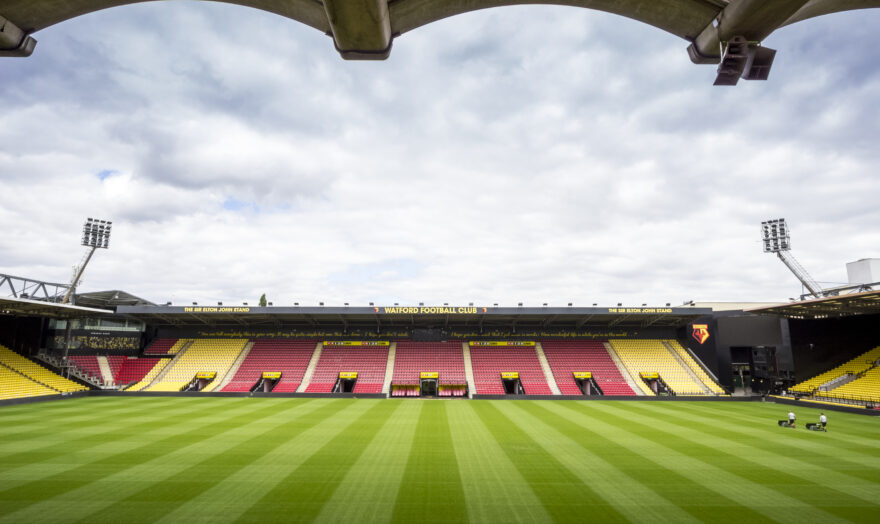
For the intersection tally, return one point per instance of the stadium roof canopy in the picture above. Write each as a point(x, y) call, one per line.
point(865, 303)
point(110, 299)
point(382, 318)
point(25, 307)
point(365, 29)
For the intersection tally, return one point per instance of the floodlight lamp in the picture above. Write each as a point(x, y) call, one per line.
point(346, 304)
point(545, 304)
point(421, 303)
point(519, 304)
point(296, 304)
point(195, 303)
point(470, 303)
point(244, 303)
point(96, 233)
point(371, 303)
point(269, 304)
point(321, 304)
point(569, 304)
point(619, 304)
point(219, 303)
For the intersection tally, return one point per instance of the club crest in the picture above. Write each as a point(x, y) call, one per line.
point(701, 332)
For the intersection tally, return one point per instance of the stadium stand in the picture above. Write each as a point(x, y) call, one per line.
point(413, 358)
point(87, 364)
point(115, 362)
point(695, 367)
point(202, 355)
point(37, 373)
point(163, 346)
point(490, 361)
point(854, 367)
point(15, 385)
point(866, 388)
point(133, 370)
point(652, 356)
point(290, 357)
point(569, 356)
point(159, 366)
point(368, 362)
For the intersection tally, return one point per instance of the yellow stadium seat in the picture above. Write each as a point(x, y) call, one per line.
point(38, 373)
point(652, 356)
point(202, 355)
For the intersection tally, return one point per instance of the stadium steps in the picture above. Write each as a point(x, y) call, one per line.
point(687, 368)
point(638, 386)
point(699, 367)
point(235, 365)
point(545, 366)
point(310, 371)
point(839, 381)
point(389, 368)
point(468, 369)
point(169, 363)
point(158, 369)
point(106, 372)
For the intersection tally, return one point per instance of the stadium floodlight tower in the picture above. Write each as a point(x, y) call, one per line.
point(96, 234)
point(777, 239)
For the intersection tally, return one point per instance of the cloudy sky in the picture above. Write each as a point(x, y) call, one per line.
point(525, 154)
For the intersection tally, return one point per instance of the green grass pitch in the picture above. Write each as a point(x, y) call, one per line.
point(173, 459)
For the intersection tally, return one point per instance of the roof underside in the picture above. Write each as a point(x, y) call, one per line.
point(683, 18)
point(866, 303)
point(487, 319)
point(23, 307)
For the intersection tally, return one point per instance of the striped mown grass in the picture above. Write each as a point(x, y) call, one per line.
point(160, 459)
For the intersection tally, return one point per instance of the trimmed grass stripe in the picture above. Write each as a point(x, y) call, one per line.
point(565, 496)
point(231, 500)
point(304, 491)
point(492, 484)
point(431, 489)
point(207, 459)
point(728, 478)
point(369, 490)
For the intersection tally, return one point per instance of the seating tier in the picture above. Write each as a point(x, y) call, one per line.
point(290, 357)
point(413, 358)
point(490, 361)
point(368, 361)
point(568, 356)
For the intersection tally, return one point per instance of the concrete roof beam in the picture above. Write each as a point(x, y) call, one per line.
point(14, 41)
point(361, 29)
point(752, 19)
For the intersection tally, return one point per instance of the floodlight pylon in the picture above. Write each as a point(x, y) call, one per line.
point(96, 234)
point(776, 238)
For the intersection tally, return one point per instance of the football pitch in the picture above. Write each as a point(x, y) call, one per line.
point(177, 459)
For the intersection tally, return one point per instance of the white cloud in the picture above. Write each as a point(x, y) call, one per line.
point(535, 154)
